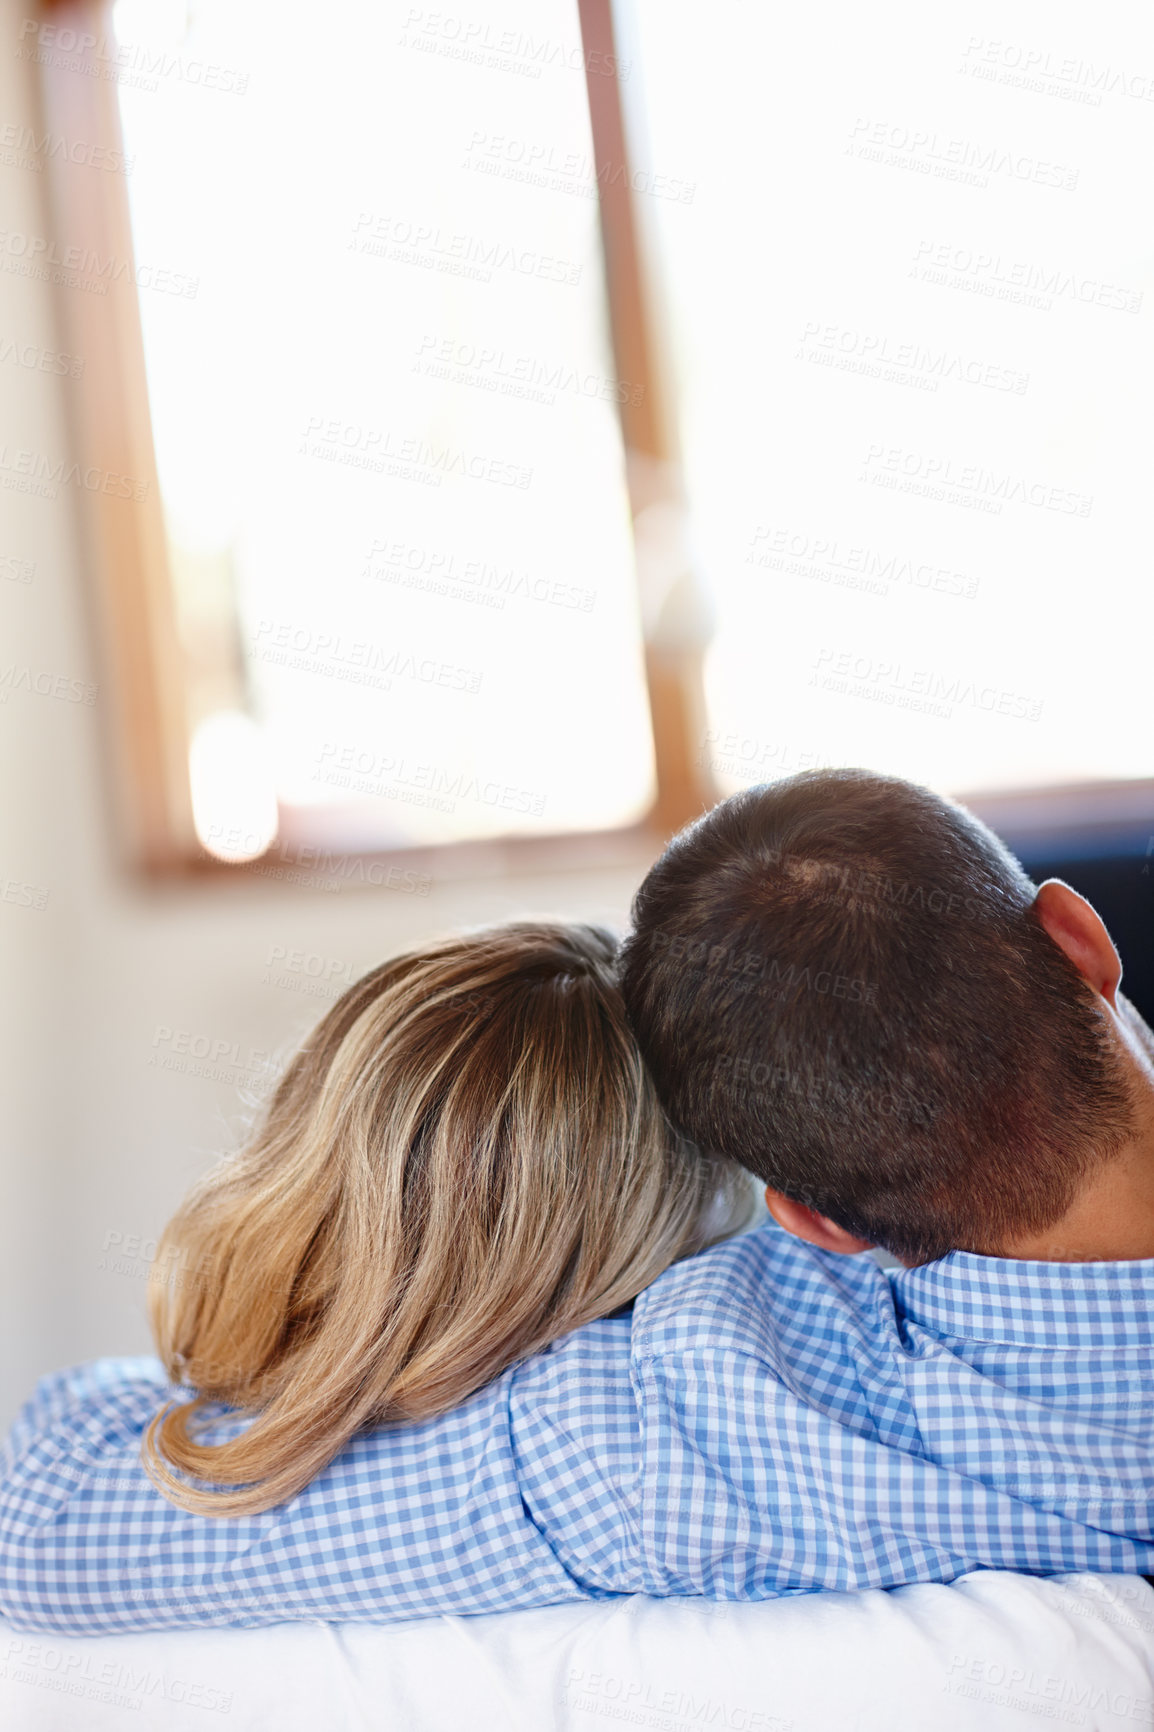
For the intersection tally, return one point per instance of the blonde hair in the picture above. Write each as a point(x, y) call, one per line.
point(465, 1161)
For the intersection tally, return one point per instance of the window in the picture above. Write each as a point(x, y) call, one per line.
point(390, 542)
point(394, 282)
point(910, 296)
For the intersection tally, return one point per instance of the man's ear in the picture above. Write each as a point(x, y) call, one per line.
point(805, 1223)
point(1078, 931)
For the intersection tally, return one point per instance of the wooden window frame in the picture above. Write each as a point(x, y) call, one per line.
point(133, 606)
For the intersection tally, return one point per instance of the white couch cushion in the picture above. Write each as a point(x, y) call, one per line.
point(991, 1651)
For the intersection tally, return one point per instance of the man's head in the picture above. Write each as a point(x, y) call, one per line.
point(850, 986)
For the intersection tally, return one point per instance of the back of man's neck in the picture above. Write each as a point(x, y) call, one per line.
point(1110, 1221)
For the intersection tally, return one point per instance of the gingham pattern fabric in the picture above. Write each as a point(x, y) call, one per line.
point(770, 1419)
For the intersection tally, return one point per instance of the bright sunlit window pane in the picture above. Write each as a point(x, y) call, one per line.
point(385, 410)
point(911, 300)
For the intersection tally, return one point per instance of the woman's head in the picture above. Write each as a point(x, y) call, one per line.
point(465, 1161)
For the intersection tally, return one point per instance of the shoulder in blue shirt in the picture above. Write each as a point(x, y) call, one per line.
point(769, 1419)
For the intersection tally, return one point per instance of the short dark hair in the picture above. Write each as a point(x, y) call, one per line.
point(839, 980)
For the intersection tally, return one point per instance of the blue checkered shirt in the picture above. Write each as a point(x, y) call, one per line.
point(769, 1419)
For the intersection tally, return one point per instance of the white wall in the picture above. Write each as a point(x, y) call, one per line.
point(96, 1139)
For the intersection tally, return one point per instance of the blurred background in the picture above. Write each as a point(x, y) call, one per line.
point(441, 452)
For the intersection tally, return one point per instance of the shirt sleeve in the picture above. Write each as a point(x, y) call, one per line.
point(750, 1492)
point(406, 1522)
